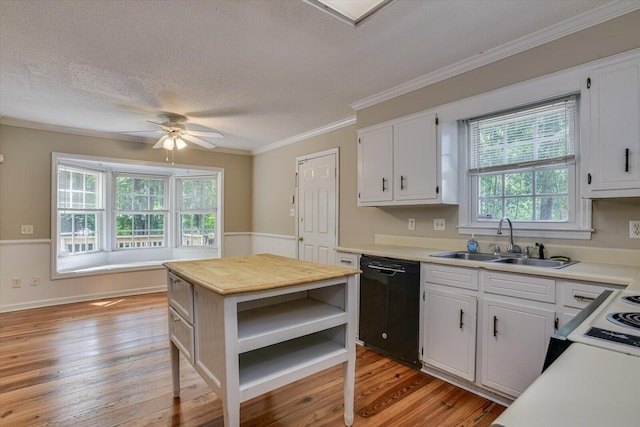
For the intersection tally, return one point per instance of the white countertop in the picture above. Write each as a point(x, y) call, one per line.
point(563, 396)
point(623, 275)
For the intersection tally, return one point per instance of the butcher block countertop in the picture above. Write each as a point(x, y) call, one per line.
point(251, 273)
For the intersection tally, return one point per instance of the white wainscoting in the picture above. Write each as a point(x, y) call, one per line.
point(27, 259)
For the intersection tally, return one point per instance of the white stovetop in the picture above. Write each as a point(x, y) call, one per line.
point(598, 319)
point(586, 386)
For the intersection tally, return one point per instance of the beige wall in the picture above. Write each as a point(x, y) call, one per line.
point(25, 176)
point(273, 180)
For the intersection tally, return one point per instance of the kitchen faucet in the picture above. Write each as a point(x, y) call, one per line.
point(511, 248)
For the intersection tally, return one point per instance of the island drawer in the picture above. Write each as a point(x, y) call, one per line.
point(181, 333)
point(520, 286)
point(181, 296)
point(459, 277)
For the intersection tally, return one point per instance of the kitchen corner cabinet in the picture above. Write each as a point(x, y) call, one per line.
point(612, 145)
point(515, 344)
point(400, 163)
point(518, 318)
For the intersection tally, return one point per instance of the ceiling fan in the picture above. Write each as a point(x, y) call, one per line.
point(177, 132)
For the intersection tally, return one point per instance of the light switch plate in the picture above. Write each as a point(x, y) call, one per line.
point(438, 224)
point(412, 224)
point(26, 229)
point(634, 229)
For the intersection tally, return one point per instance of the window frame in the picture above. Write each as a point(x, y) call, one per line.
point(99, 210)
point(579, 224)
point(110, 259)
point(180, 210)
point(165, 212)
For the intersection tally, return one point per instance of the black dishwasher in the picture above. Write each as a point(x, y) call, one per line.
point(389, 307)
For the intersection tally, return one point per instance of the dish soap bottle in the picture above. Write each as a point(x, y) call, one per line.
point(472, 245)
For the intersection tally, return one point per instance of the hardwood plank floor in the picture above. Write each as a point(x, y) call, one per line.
point(106, 363)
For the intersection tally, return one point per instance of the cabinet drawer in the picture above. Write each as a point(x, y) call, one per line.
point(181, 333)
point(516, 285)
point(579, 295)
point(348, 260)
point(460, 277)
point(181, 296)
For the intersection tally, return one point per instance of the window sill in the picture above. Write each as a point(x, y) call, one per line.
point(491, 230)
point(114, 268)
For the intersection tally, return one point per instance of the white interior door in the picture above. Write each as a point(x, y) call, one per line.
point(318, 207)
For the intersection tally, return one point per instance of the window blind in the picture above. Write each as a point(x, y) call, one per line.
point(537, 135)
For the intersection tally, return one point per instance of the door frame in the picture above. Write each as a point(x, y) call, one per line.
point(302, 159)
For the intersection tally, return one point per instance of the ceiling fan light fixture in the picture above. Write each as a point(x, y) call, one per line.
point(168, 143)
point(179, 142)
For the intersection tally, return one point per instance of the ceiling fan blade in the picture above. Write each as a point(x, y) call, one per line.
point(205, 133)
point(201, 142)
point(155, 123)
point(160, 142)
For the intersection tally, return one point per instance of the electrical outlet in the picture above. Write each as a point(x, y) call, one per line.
point(634, 229)
point(412, 224)
point(438, 224)
point(35, 281)
point(26, 229)
point(16, 282)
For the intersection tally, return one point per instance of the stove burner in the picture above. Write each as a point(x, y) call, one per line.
point(632, 299)
point(628, 319)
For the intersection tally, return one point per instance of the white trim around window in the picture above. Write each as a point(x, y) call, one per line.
point(108, 257)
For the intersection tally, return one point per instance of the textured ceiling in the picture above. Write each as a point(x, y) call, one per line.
point(259, 71)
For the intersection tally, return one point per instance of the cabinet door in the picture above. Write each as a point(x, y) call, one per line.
point(375, 166)
point(450, 332)
point(614, 102)
point(515, 339)
point(415, 159)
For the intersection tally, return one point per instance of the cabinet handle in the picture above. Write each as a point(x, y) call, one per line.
point(345, 261)
point(495, 326)
point(175, 319)
point(402, 181)
point(461, 321)
point(583, 298)
point(384, 184)
point(626, 160)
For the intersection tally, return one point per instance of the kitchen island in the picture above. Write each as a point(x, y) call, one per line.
point(252, 324)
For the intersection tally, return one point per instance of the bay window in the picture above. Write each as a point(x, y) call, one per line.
point(110, 214)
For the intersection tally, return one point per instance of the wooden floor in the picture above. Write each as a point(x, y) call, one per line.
point(106, 363)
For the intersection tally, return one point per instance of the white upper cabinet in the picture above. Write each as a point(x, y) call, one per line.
point(400, 162)
point(414, 162)
point(375, 167)
point(611, 147)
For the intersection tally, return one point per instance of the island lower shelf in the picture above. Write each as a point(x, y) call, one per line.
point(271, 367)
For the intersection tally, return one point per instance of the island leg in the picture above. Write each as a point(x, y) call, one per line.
point(349, 389)
point(175, 368)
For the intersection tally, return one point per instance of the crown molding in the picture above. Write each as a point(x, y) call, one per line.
point(306, 135)
point(7, 121)
point(588, 19)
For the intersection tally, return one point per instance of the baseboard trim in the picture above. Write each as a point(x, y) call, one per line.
point(81, 298)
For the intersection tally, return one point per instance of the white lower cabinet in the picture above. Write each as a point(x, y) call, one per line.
point(515, 339)
point(450, 332)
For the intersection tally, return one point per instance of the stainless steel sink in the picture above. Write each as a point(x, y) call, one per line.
point(515, 259)
point(533, 262)
point(468, 256)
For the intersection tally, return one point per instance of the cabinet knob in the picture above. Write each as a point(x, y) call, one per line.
point(300, 239)
point(384, 335)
